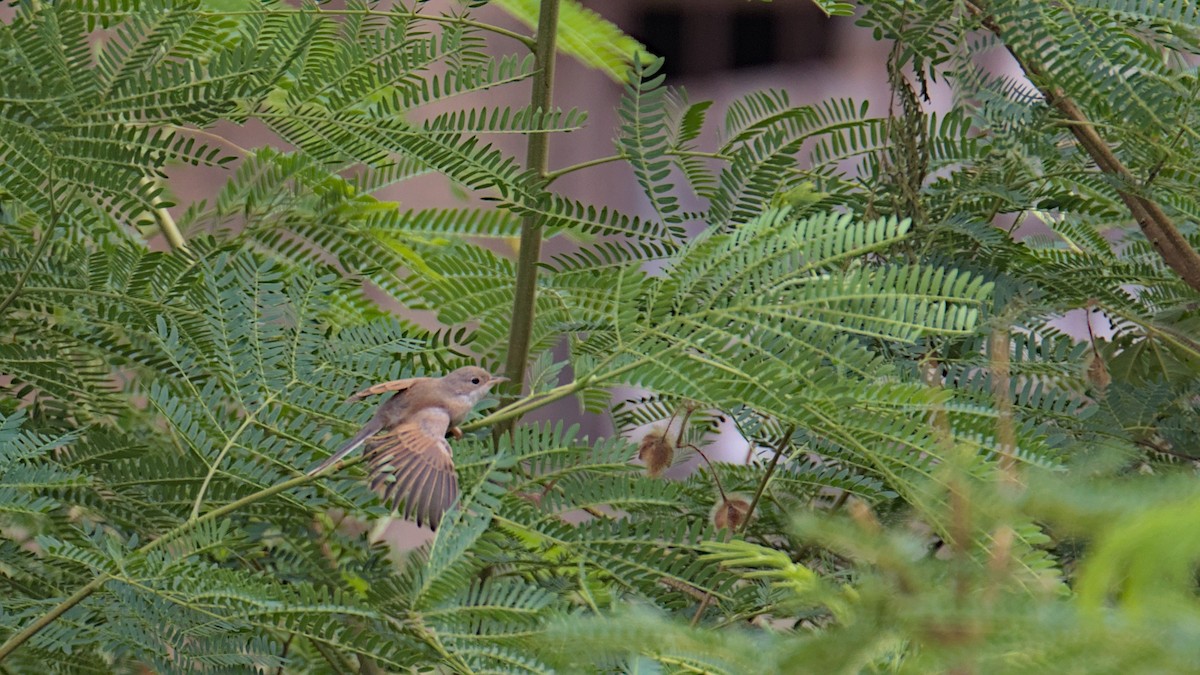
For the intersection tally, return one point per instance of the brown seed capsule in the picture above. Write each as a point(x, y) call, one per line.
point(731, 513)
point(862, 514)
point(656, 451)
point(1097, 372)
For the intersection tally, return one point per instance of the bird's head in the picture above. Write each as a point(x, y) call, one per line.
point(470, 382)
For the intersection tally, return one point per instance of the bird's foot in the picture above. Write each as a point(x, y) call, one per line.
point(456, 433)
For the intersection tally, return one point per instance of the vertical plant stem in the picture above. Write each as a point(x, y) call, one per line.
point(999, 344)
point(537, 160)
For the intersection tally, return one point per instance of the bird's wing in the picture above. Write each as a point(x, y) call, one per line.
point(363, 434)
point(383, 388)
point(411, 464)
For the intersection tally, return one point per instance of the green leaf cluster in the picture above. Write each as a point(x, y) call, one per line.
point(938, 476)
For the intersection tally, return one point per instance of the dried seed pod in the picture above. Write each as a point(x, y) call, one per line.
point(731, 513)
point(656, 451)
point(1097, 372)
point(864, 517)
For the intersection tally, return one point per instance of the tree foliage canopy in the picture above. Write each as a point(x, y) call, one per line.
point(939, 477)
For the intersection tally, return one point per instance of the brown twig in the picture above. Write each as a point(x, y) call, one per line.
point(783, 443)
point(1159, 448)
point(711, 468)
point(284, 652)
point(1158, 228)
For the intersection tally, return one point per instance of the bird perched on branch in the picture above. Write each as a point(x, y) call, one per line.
point(408, 457)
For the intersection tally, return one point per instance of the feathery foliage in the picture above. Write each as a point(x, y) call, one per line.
point(938, 474)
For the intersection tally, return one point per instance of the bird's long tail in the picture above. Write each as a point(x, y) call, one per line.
point(366, 432)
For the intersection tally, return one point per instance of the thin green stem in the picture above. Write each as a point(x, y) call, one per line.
point(243, 502)
point(245, 152)
point(37, 254)
point(157, 307)
point(535, 401)
point(166, 223)
point(536, 160)
point(42, 244)
point(522, 406)
point(552, 176)
point(700, 153)
point(523, 39)
point(49, 617)
point(332, 657)
point(80, 595)
point(229, 443)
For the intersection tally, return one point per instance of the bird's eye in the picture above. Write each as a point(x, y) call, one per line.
point(474, 380)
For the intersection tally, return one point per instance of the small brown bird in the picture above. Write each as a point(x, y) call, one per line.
point(408, 456)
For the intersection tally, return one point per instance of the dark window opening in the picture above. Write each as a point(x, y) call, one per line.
point(753, 40)
point(698, 37)
point(809, 38)
point(661, 31)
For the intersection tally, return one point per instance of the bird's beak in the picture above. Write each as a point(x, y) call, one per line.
point(497, 380)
